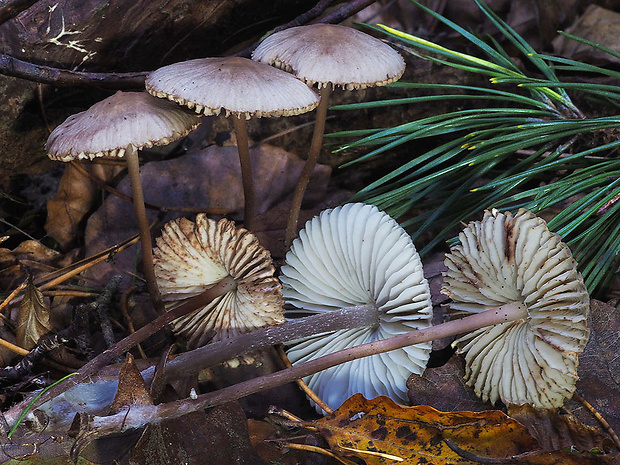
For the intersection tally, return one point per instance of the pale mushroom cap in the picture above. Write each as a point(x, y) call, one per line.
point(506, 258)
point(123, 119)
point(355, 255)
point(190, 257)
point(329, 54)
point(236, 85)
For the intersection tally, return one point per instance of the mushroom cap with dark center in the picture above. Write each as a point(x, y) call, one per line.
point(349, 256)
point(329, 54)
point(236, 85)
point(190, 257)
point(503, 259)
point(123, 119)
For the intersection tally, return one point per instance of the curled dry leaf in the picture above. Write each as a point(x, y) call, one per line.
point(132, 389)
point(33, 320)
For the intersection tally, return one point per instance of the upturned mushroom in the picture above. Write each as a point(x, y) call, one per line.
point(350, 256)
point(516, 262)
point(118, 127)
point(329, 56)
point(240, 88)
point(193, 256)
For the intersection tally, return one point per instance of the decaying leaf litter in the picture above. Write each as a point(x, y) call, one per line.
point(597, 381)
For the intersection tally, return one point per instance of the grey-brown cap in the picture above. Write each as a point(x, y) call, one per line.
point(235, 85)
point(190, 257)
point(503, 259)
point(110, 126)
point(328, 54)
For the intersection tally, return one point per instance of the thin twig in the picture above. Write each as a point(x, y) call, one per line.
point(345, 11)
point(303, 385)
point(600, 419)
point(124, 304)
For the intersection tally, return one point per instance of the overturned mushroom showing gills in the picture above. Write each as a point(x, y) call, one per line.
point(358, 255)
point(117, 127)
point(191, 257)
point(329, 56)
point(505, 259)
point(238, 87)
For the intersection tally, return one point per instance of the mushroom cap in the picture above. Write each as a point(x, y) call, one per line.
point(356, 255)
point(506, 258)
point(329, 54)
point(123, 119)
point(239, 86)
point(191, 257)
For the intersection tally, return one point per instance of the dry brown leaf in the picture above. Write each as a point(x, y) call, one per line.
point(556, 432)
point(218, 437)
point(598, 25)
point(74, 199)
point(33, 320)
point(132, 389)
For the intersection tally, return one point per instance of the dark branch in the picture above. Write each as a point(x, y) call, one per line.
point(11, 66)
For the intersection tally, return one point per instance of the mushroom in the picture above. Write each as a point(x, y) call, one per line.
point(191, 257)
point(330, 56)
point(240, 87)
point(118, 127)
point(505, 259)
point(349, 256)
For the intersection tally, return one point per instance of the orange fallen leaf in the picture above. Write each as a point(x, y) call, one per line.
point(379, 431)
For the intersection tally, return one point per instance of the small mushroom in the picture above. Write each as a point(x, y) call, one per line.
point(356, 255)
point(505, 259)
point(241, 88)
point(191, 257)
point(329, 56)
point(117, 127)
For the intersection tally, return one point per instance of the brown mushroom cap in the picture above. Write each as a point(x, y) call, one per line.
point(239, 86)
point(190, 257)
point(329, 54)
point(110, 126)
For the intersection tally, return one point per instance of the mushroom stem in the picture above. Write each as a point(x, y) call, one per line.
point(217, 352)
point(311, 161)
point(140, 416)
point(148, 269)
point(243, 147)
point(226, 285)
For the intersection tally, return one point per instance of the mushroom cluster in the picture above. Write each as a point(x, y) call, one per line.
point(118, 127)
point(504, 259)
point(351, 256)
point(239, 87)
point(193, 256)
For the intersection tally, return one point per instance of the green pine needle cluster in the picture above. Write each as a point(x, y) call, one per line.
point(522, 143)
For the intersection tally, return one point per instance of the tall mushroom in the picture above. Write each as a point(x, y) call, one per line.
point(330, 56)
point(241, 88)
point(118, 127)
point(358, 255)
point(191, 257)
point(505, 259)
